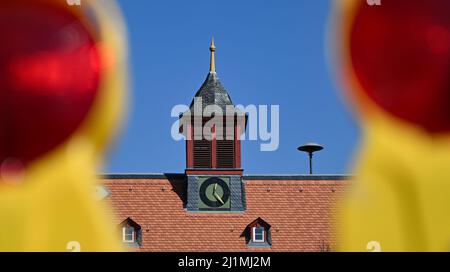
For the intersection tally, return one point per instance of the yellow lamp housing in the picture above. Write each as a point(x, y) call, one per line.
point(51, 204)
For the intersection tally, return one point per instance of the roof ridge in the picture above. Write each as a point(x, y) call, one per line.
point(275, 177)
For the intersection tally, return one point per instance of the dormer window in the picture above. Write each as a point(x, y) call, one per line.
point(128, 234)
point(131, 233)
point(257, 234)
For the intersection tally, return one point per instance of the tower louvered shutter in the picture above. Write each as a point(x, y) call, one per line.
point(225, 154)
point(202, 154)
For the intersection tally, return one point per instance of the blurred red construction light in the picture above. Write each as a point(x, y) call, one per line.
point(400, 52)
point(49, 76)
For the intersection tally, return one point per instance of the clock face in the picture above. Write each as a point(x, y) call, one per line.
point(214, 193)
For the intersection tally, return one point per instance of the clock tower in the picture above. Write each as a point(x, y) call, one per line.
point(212, 128)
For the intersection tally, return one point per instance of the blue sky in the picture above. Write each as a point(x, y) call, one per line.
point(268, 52)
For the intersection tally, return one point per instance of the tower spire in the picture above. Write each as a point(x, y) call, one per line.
point(212, 48)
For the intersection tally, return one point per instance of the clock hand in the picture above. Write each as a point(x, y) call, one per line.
point(218, 198)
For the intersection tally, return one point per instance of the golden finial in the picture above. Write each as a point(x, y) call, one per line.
point(212, 48)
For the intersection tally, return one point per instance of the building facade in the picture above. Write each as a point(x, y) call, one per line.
point(213, 206)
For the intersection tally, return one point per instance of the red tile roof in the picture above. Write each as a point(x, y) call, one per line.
point(298, 211)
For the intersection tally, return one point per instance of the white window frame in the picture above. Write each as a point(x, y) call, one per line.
point(263, 235)
point(124, 235)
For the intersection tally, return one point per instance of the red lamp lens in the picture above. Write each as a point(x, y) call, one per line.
point(49, 76)
point(400, 51)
